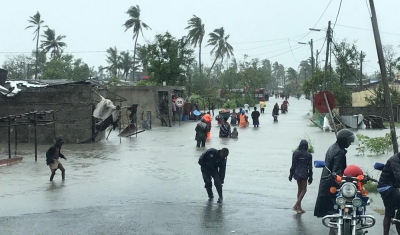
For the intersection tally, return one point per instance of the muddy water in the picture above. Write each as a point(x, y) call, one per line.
point(160, 167)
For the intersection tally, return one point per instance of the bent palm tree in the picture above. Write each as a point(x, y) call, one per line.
point(137, 25)
point(196, 34)
point(221, 47)
point(52, 42)
point(36, 22)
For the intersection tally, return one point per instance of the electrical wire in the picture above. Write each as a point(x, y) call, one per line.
point(369, 10)
point(292, 51)
point(346, 26)
point(351, 71)
point(271, 40)
point(283, 52)
point(323, 13)
point(340, 6)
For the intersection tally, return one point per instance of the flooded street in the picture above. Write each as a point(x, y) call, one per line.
point(152, 184)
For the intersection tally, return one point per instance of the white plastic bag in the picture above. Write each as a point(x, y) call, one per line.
point(104, 109)
point(326, 125)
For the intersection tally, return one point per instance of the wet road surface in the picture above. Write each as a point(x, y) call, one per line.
point(152, 184)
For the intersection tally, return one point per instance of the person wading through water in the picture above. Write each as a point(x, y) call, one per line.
point(255, 115)
point(301, 171)
point(213, 164)
point(52, 159)
point(225, 129)
point(201, 133)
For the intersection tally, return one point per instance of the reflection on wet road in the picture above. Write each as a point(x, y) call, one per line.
point(152, 184)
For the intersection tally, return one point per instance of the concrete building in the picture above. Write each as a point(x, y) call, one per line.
point(73, 103)
point(150, 98)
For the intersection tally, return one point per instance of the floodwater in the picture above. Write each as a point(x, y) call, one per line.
point(152, 184)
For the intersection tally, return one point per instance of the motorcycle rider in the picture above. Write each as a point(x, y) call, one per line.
point(213, 164)
point(335, 162)
point(388, 185)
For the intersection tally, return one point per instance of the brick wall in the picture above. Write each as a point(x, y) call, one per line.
point(366, 111)
point(73, 103)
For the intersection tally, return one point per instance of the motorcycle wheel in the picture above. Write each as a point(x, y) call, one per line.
point(347, 227)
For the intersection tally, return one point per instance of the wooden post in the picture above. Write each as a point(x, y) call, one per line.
point(382, 66)
point(328, 41)
point(16, 137)
point(54, 125)
point(120, 121)
point(330, 113)
point(9, 136)
point(34, 125)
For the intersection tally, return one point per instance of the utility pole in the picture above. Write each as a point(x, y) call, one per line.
point(328, 42)
point(361, 67)
point(316, 59)
point(312, 57)
point(382, 66)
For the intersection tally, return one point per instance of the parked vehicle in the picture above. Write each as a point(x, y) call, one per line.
point(351, 203)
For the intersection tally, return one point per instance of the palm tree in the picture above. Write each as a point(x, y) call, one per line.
point(137, 25)
point(196, 34)
point(221, 47)
point(52, 42)
point(113, 60)
point(36, 22)
point(126, 63)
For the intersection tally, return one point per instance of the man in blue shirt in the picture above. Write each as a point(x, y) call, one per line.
point(388, 185)
point(213, 164)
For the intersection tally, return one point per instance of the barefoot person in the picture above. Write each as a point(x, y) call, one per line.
point(213, 164)
point(301, 171)
point(52, 158)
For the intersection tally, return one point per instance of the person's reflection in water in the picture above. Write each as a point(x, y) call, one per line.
point(55, 186)
point(213, 219)
point(300, 228)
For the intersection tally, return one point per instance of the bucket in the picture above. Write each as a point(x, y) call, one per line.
point(185, 118)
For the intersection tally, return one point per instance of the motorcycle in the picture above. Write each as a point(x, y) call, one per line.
point(379, 166)
point(351, 203)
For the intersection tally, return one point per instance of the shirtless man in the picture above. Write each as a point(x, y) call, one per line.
point(52, 159)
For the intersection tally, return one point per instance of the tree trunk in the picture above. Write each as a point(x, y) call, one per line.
point(209, 72)
point(134, 58)
point(212, 66)
point(200, 58)
point(190, 83)
point(37, 55)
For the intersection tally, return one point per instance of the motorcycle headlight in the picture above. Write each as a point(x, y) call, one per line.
point(348, 190)
point(340, 201)
point(357, 202)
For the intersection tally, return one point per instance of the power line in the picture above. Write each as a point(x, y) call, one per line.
point(346, 26)
point(340, 5)
point(323, 13)
point(260, 46)
point(292, 51)
point(351, 71)
point(283, 52)
point(369, 10)
point(271, 40)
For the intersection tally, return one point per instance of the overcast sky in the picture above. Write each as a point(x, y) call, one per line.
point(259, 28)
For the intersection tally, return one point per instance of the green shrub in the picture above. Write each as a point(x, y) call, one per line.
point(372, 187)
point(310, 145)
point(231, 104)
point(377, 145)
